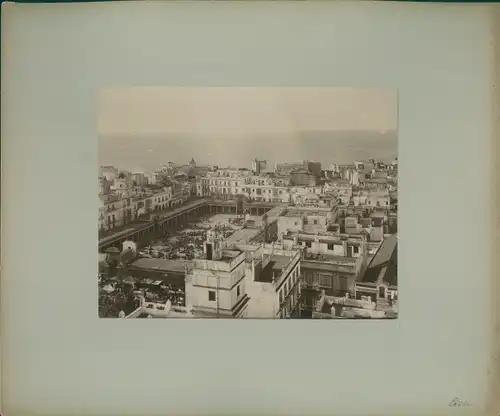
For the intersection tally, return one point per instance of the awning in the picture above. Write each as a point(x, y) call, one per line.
point(108, 288)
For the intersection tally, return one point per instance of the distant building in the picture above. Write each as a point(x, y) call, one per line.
point(378, 198)
point(307, 219)
point(352, 226)
point(104, 185)
point(341, 188)
point(232, 184)
point(308, 197)
point(108, 172)
point(259, 166)
point(303, 177)
point(150, 179)
point(364, 166)
point(288, 167)
point(377, 228)
point(314, 168)
point(139, 179)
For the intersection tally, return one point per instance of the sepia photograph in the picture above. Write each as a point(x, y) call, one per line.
point(247, 160)
point(268, 203)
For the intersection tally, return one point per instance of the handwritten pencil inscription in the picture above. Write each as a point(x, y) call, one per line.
point(456, 402)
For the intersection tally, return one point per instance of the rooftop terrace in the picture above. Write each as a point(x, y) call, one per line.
point(329, 258)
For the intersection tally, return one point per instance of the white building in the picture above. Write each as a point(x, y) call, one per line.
point(216, 286)
point(244, 281)
point(273, 282)
point(227, 184)
point(307, 219)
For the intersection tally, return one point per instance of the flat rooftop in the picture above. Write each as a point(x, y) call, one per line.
point(162, 264)
point(273, 268)
point(243, 235)
point(298, 212)
point(329, 258)
point(229, 255)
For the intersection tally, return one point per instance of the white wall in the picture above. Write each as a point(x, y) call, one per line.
point(289, 223)
point(263, 299)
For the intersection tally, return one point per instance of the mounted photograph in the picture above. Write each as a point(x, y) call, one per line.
point(247, 202)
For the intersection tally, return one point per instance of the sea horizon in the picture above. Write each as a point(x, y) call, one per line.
point(146, 154)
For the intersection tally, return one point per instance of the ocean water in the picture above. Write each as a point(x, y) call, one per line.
point(145, 154)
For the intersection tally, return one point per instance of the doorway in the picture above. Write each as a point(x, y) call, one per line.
point(381, 292)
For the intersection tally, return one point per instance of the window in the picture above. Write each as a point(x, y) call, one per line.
point(309, 278)
point(325, 280)
point(308, 244)
point(211, 295)
point(305, 221)
point(343, 283)
point(238, 291)
point(356, 250)
point(331, 246)
point(315, 222)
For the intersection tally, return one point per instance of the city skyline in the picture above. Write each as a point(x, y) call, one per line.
point(146, 154)
point(219, 124)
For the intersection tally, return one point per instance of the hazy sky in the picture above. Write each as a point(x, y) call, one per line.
point(141, 128)
point(243, 112)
